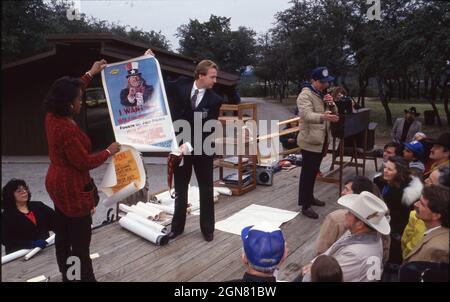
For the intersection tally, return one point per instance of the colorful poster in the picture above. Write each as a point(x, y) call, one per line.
point(124, 176)
point(138, 105)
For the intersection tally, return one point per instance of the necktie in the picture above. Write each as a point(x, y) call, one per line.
point(194, 99)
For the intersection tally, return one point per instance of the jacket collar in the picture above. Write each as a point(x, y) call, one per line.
point(252, 278)
point(435, 233)
point(314, 90)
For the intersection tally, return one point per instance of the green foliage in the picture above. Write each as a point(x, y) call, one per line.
point(24, 24)
point(214, 40)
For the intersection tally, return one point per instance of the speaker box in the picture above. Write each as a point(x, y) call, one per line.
point(264, 175)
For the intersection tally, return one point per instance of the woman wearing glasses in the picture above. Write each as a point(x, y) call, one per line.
point(25, 224)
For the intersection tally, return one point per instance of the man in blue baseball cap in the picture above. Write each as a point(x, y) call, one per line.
point(317, 111)
point(414, 153)
point(264, 249)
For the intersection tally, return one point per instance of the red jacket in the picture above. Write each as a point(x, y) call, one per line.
point(70, 162)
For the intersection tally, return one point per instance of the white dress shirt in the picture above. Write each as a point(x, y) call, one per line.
point(201, 93)
point(430, 230)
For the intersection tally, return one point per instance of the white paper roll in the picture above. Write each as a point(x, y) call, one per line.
point(152, 213)
point(223, 190)
point(123, 193)
point(139, 229)
point(50, 240)
point(148, 223)
point(14, 255)
point(134, 209)
point(168, 209)
point(149, 206)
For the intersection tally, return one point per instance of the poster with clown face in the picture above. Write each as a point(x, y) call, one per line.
point(138, 106)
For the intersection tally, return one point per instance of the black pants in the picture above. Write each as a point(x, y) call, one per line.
point(73, 237)
point(310, 168)
point(203, 168)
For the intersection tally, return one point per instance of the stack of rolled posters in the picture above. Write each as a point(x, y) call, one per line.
point(143, 211)
point(144, 228)
point(155, 212)
point(167, 209)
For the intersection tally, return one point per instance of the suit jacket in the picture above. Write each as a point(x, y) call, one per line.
point(432, 248)
point(397, 130)
point(179, 97)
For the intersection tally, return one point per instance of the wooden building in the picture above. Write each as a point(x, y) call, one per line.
point(26, 82)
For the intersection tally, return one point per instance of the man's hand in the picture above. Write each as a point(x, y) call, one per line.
point(306, 269)
point(328, 99)
point(330, 117)
point(97, 67)
point(149, 52)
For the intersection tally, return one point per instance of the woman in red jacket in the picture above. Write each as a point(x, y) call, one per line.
point(68, 181)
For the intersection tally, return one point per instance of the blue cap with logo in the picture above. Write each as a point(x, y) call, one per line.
point(321, 74)
point(416, 147)
point(263, 245)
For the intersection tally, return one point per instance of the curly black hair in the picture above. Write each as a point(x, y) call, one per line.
point(61, 95)
point(8, 199)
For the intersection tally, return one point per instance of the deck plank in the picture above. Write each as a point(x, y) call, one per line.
point(126, 257)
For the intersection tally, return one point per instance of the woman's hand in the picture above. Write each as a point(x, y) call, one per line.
point(93, 211)
point(97, 67)
point(149, 52)
point(113, 148)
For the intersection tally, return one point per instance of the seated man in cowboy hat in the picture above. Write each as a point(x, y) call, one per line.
point(359, 251)
point(406, 127)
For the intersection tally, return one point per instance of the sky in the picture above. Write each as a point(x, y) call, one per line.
point(167, 15)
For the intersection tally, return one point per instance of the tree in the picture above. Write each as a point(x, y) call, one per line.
point(24, 24)
point(214, 39)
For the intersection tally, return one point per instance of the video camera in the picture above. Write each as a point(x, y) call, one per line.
point(344, 105)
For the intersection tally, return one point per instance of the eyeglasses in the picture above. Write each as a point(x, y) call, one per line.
point(21, 189)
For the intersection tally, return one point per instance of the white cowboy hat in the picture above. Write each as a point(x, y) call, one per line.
point(368, 208)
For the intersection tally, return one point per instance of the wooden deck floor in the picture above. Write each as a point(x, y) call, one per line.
point(126, 257)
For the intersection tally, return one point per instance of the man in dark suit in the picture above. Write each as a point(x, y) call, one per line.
point(188, 98)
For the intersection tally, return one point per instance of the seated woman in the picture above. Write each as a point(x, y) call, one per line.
point(400, 190)
point(25, 224)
